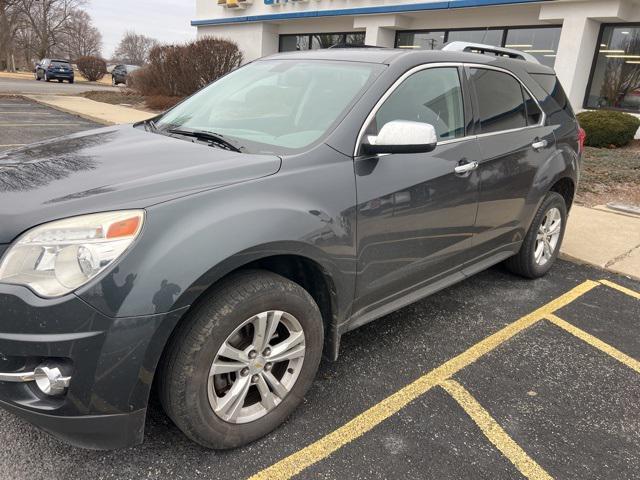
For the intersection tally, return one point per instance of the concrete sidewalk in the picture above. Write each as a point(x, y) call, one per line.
point(603, 238)
point(100, 112)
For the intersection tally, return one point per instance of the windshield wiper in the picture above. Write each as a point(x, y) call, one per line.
point(212, 137)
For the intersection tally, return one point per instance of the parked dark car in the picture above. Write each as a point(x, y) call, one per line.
point(230, 242)
point(52, 69)
point(120, 73)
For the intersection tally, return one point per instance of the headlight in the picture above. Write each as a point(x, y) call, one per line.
point(58, 257)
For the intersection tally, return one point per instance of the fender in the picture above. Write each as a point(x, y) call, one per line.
point(191, 242)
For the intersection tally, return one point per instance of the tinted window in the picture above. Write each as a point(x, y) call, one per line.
point(60, 64)
point(431, 96)
point(551, 85)
point(500, 102)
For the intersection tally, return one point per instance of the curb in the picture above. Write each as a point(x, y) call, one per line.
point(580, 261)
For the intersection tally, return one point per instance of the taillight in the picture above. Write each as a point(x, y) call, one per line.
point(582, 136)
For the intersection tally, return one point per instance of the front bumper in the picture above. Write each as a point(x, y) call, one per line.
point(111, 362)
point(98, 432)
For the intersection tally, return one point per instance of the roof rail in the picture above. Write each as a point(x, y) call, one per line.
point(481, 48)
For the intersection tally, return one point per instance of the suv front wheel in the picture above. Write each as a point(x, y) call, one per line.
point(542, 243)
point(243, 360)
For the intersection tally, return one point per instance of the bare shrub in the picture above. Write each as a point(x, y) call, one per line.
point(92, 68)
point(161, 102)
point(180, 70)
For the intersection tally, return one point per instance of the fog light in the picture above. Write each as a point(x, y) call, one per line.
point(50, 380)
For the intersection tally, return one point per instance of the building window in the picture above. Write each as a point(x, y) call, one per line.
point(316, 41)
point(427, 40)
point(486, 36)
point(541, 42)
point(615, 78)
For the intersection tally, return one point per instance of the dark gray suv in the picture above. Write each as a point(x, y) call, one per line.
point(218, 250)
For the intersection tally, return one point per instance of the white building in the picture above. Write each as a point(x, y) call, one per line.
point(594, 45)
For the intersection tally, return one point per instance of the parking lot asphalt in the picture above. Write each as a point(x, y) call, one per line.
point(30, 85)
point(23, 121)
point(497, 377)
point(481, 380)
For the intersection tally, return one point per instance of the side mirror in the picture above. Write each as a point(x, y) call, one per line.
point(403, 136)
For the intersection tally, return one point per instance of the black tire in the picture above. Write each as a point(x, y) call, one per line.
point(37, 76)
point(523, 263)
point(60, 80)
point(185, 368)
point(71, 81)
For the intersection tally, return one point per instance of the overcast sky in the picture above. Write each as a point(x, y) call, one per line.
point(165, 20)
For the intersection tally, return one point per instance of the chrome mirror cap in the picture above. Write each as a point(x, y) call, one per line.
point(403, 136)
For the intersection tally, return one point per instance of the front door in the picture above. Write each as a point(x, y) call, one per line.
point(415, 214)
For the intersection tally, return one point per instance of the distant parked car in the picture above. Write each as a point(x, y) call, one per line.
point(52, 69)
point(120, 72)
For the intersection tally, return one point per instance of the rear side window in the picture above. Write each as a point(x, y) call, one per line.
point(430, 96)
point(500, 101)
point(551, 85)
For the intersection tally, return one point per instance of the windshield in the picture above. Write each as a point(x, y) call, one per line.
point(274, 106)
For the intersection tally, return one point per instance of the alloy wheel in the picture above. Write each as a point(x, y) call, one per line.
point(548, 236)
point(256, 367)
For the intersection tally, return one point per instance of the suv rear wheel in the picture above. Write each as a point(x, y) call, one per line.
point(541, 245)
point(243, 360)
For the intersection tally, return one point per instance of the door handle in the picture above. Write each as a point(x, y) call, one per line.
point(539, 144)
point(466, 167)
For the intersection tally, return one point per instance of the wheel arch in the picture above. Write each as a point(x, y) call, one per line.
point(566, 187)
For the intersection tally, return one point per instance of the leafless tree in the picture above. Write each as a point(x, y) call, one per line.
point(620, 76)
point(80, 38)
point(47, 19)
point(134, 49)
point(9, 21)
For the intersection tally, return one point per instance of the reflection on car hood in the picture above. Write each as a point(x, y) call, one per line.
point(112, 168)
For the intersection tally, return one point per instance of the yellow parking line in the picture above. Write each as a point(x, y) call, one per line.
point(620, 288)
point(595, 342)
point(494, 432)
point(361, 424)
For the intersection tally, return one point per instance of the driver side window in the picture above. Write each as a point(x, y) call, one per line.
point(430, 96)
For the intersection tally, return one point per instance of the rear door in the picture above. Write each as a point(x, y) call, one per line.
point(514, 142)
point(415, 214)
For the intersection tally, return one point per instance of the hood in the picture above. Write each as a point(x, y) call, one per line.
point(112, 168)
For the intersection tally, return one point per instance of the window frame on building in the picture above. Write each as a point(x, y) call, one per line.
point(505, 31)
point(310, 38)
point(594, 64)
